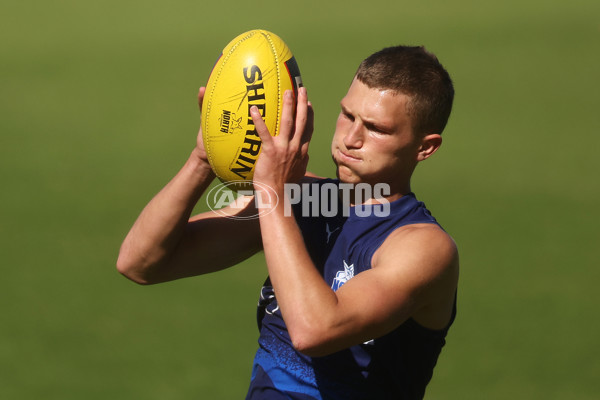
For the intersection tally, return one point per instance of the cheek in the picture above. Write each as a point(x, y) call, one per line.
point(342, 125)
point(338, 132)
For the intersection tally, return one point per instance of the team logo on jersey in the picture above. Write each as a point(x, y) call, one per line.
point(267, 300)
point(342, 277)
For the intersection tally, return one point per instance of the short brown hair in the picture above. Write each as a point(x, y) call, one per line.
point(417, 73)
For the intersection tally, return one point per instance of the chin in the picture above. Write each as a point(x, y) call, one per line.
point(346, 175)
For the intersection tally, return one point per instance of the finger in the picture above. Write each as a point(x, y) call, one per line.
point(310, 124)
point(261, 127)
point(286, 127)
point(304, 119)
point(305, 162)
point(301, 114)
point(201, 92)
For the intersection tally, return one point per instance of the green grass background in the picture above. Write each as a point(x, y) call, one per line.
point(98, 111)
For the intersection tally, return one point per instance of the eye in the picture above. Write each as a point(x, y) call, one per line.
point(346, 115)
point(377, 129)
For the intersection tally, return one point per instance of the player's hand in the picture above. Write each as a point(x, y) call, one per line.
point(283, 158)
point(200, 151)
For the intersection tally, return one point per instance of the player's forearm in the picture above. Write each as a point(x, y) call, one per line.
point(159, 228)
point(307, 303)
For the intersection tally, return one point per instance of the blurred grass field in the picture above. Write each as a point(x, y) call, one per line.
point(98, 111)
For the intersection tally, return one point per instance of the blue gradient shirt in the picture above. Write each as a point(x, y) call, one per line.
point(398, 365)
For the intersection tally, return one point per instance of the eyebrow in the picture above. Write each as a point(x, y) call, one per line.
point(371, 125)
point(344, 109)
point(377, 127)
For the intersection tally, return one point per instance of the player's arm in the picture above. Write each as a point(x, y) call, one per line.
point(166, 243)
point(413, 273)
point(408, 279)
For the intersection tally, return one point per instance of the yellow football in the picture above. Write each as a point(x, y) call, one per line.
point(254, 69)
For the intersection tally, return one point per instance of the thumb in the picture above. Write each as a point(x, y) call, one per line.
point(201, 92)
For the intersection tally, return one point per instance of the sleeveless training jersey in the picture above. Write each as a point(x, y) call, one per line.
point(396, 366)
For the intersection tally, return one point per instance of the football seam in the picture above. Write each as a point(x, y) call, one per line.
point(210, 99)
point(279, 105)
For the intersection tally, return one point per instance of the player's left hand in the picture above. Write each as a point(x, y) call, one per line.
point(283, 158)
point(200, 151)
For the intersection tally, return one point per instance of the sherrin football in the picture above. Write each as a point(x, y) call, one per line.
point(254, 69)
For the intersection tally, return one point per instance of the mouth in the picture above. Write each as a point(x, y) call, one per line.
point(344, 157)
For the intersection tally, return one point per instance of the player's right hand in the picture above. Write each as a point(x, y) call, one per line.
point(284, 158)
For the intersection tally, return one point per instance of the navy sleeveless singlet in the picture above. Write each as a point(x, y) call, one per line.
point(397, 365)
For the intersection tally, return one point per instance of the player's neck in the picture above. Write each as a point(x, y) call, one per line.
point(373, 193)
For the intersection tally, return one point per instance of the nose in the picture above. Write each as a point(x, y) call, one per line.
point(354, 137)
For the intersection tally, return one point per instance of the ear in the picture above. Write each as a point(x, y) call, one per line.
point(429, 145)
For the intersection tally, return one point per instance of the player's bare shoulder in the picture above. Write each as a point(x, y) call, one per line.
point(425, 252)
point(423, 260)
point(423, 237)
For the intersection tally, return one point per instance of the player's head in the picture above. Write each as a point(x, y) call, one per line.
point(417, 73)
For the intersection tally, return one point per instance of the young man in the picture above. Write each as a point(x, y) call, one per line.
point(357, 304)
